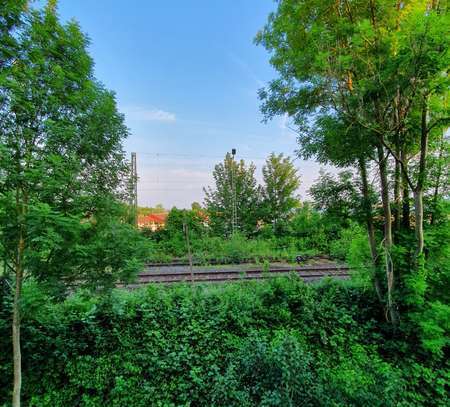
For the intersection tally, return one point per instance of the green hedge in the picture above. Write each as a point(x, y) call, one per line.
point(272, 343)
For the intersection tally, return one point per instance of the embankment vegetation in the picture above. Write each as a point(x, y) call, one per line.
point(277, 342)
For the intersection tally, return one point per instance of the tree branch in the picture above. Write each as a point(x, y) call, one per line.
point(400, 161)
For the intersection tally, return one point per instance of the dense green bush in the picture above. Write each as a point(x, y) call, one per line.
point(272, 343)
point(308, 232)
point(235, 249)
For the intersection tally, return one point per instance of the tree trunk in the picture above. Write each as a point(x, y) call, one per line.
point(368, 209)
point(397, 173)
point(406, 210)
point(21, 208)
point(369, 223)
point(397, 197)
point(382, 164)
point(17, 356)
point(418, 211)
point(418, 192)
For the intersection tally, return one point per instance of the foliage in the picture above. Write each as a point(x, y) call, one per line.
point(193, 219)
point(281, 182)
point(235, 184)
point(159, 208)
point(438, 253)
point(277, 342)
point(368, 82)
point(349, 242)
point(236, 249)
point(272, 203)
point(307, 232)
point(339, 198)
point(62, 166)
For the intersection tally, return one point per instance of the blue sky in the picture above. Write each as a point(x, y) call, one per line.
point(186, 75)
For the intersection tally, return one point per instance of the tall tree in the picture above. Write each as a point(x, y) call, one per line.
point(235, 184)
point(62, 167)
point(376, 65)
point(281, 182)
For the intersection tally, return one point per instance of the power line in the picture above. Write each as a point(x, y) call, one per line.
point(169, 189)
point(196, 156)
point(167, 182)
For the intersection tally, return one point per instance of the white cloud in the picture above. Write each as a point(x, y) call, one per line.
point(145, 114)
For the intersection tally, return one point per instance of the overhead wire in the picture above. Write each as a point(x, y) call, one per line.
point(142, 184)
point(196, 156)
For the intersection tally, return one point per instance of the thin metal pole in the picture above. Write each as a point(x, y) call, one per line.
point(134, 193)
point(233, 192)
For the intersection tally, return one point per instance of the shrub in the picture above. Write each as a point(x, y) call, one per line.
point(274, 342)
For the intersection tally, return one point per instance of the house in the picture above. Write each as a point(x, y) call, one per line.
point(152, 221)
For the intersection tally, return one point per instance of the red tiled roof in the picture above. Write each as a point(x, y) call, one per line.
point(152, 218)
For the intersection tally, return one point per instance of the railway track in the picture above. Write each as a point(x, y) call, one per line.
point(166, 275)
point(220, 262)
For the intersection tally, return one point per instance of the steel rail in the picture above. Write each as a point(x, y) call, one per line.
point(311, 273)
point(278, 269)
point(246, 260)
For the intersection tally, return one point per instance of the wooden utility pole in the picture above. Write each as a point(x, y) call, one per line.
point(188, 244)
